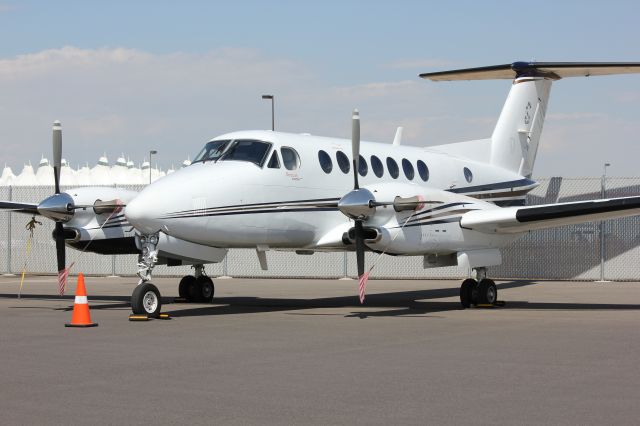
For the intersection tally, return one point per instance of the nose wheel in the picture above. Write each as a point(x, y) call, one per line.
point(145, 300)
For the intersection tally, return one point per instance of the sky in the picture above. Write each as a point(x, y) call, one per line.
point(125, 77)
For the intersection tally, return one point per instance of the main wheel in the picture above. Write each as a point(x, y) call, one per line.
point(185, 284)
point(207, 289)
point(466, 292)
point(487, 292)
point(202, 290)
point(146, 300)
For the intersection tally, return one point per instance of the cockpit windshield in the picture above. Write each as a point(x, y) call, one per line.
point(211, 151)
point(253, 151)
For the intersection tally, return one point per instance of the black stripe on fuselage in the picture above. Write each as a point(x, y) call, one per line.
point(432, 222)
point(257, 205)
point(241, 212)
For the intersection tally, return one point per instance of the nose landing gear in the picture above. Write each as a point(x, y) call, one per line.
point(482, 292)
point(145, 299)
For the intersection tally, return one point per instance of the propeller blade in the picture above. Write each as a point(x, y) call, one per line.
point(355, 145)
point(29, 208)
point(360, 247)
point(57, 153)
point(60, 247)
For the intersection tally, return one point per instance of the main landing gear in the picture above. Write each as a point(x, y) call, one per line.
point(196, 288)
point(478, 292)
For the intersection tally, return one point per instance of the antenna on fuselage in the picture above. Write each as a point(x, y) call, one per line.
point(398, 137)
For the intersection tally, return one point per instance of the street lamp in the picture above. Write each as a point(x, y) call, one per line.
point(603, 194)
point(273, 126)
point(153, 151)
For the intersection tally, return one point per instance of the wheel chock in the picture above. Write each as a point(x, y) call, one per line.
point(145, 317)
point(497, 304)
point(135, 317)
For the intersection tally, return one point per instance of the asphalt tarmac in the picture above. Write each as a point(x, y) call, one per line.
point(305, 352)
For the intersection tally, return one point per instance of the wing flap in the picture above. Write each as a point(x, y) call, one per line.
point(521, 219)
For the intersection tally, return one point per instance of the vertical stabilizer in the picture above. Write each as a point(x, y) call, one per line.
point(514, 142)
point(515, 139)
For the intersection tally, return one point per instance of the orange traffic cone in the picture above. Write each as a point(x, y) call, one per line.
point(81, 316)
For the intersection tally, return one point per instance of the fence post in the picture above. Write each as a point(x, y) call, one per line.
point(603, 193)
point(344, 266)
point(9, 233)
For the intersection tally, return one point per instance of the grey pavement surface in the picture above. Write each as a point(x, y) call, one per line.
point(305, 352)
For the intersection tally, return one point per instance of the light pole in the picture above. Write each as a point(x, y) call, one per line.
point(273, 125)
point(603, 194)
point(153, 151)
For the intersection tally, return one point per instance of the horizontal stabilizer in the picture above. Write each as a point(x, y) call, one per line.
point(512, 220)
point(552, 70)
point(19, 207)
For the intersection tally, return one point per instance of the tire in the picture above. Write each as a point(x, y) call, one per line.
point(487, 292)
point(466, 292)
point(202, 290)
point(206, 287)
point(146, 300)
point(183, 288)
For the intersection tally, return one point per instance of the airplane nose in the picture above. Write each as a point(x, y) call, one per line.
point(141, 211)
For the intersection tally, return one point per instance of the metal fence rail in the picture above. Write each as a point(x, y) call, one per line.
point(566, 253)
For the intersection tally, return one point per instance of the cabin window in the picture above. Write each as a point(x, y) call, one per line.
point(363, 169)
point(407, 167)
point(325, 161)
point(274, 162)
point(392, 166)
point(423, 170)
point(376, 165)
point(252, 151)
point(290, 158)
point(343, 162)
point(467, 174)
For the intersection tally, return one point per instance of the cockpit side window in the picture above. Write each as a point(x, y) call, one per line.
point(211, 151)
point(249, 150)
point(290, 158)
point(274, 162)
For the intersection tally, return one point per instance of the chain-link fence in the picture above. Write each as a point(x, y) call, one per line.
point(566, 253)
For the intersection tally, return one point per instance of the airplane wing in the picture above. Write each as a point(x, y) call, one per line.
point(510, 220)
point(28, 208)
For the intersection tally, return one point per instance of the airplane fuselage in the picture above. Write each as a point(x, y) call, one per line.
point(243, 204)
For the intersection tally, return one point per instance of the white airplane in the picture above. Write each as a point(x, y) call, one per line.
point(454, 204)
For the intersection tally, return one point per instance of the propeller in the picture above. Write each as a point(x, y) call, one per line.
point(57, 153)
point(60, 206)
point(67, 204)
point(360, 203)
point(359, 229)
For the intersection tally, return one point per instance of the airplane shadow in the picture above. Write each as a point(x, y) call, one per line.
point(408, 304)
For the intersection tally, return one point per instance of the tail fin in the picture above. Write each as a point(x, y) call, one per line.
point(514, 142)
